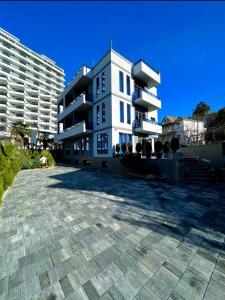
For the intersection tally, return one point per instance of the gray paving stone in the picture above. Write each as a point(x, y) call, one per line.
point(90, 290)
point(64, 229)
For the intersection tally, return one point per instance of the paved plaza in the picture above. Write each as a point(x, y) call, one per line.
point(68, 233)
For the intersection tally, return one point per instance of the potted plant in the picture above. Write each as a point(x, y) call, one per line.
point(166, 149)
point(130, 147)
point(158, 149)
point(138, 149)
point(148, 150)
point(174, 144)
point(124, 148)
point(118, 150)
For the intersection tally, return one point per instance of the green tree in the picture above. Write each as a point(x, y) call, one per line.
point(220, 117)
point(201, 110)
point(20, 132)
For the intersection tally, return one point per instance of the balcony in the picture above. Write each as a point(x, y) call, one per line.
point(148, 127)
point(81, 103)
point(78, 129)
point(142, 71)
point(147, 99)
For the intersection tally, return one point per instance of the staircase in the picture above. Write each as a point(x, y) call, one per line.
point(194, 170)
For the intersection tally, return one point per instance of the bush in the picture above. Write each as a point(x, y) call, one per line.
point(166, 148)
point(124, 147)
point(130, 147)
point(158, 149)
point(117, 148)
point(148, 149)
point(49, 157)
point(36, 154)
point(35, 163)
point(138, 147)
point(25, 163)
point(174, 144)
point(1, 189)
point(15, 165)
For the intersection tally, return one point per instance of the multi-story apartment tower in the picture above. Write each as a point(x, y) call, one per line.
point(29, 86)
point(114, 102)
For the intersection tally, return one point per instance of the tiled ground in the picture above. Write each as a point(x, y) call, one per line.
point(72, 234)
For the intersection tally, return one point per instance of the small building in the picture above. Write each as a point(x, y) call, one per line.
point(114, 102)
point(189, 131)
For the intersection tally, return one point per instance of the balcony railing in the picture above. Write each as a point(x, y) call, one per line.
point(138, 122)
point(137, 93)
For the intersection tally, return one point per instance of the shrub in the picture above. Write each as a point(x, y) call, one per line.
point(36, 154)
point(15, 165)
point(49, 157)
point(130, 147)
point(166, 147)
point(5, 167)
point(138, 147)
point(174, 144)
point(25, 163)
point(1, 189)
point(148, 149)
point(118, 148)
point(158, 149)
point(9, 149)
point(124, 147)
point(35, 163)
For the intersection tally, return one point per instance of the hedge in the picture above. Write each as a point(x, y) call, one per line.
point(13, 159)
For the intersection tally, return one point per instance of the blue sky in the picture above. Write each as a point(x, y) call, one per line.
point(185, 39)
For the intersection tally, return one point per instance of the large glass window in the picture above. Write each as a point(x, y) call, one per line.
point(83, 145)
point(87, 144)
point(76, 147)
point(128, 85)
point(97, 86)
point(102, 143)
point(103, 82)
point(121, 81)
point(128, 114)
point(121, 112)
point(124, 138)
point(103, 112)
point(98, 115)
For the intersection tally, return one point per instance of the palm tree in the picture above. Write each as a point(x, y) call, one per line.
point(21, 133)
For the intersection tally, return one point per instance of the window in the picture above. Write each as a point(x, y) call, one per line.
point(121, 112)
point(87, 144)
point(76, 147)
point(102, 143)
point(98, 115)
point(124, 138)
point(103, 112)
point(67, 147)
point(97, 86)
point(128, 85)
point(103, 82)
point(83, 145)
point(121, 81)
point(128, 114)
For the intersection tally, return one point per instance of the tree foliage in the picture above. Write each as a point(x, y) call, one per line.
point(201, 110)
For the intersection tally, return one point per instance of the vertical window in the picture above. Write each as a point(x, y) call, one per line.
point(76, 147)
point(67, 149)
point(121, 81)
point(97, 86)
point(128, 114)
point(128, 85)
point(102, 143)
point(103, 82)
point(83, 145)
point(87, 144)
point(98, 115)
point(103, 112)
point(121, 112)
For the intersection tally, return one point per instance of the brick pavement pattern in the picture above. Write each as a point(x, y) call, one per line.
point(68, 233)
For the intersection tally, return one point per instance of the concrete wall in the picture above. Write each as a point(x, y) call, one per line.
point(212, 152)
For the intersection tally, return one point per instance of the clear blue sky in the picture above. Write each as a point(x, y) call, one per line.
point(186, 39)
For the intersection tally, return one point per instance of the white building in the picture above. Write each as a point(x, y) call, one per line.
point(29, 86)
point(189, 131)
point(114, 102)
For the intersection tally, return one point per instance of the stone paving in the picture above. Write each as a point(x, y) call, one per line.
point(67, 233)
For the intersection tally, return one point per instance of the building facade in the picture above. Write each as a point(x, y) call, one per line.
point(114, 102)
point(29, 86)
point(189, 131)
